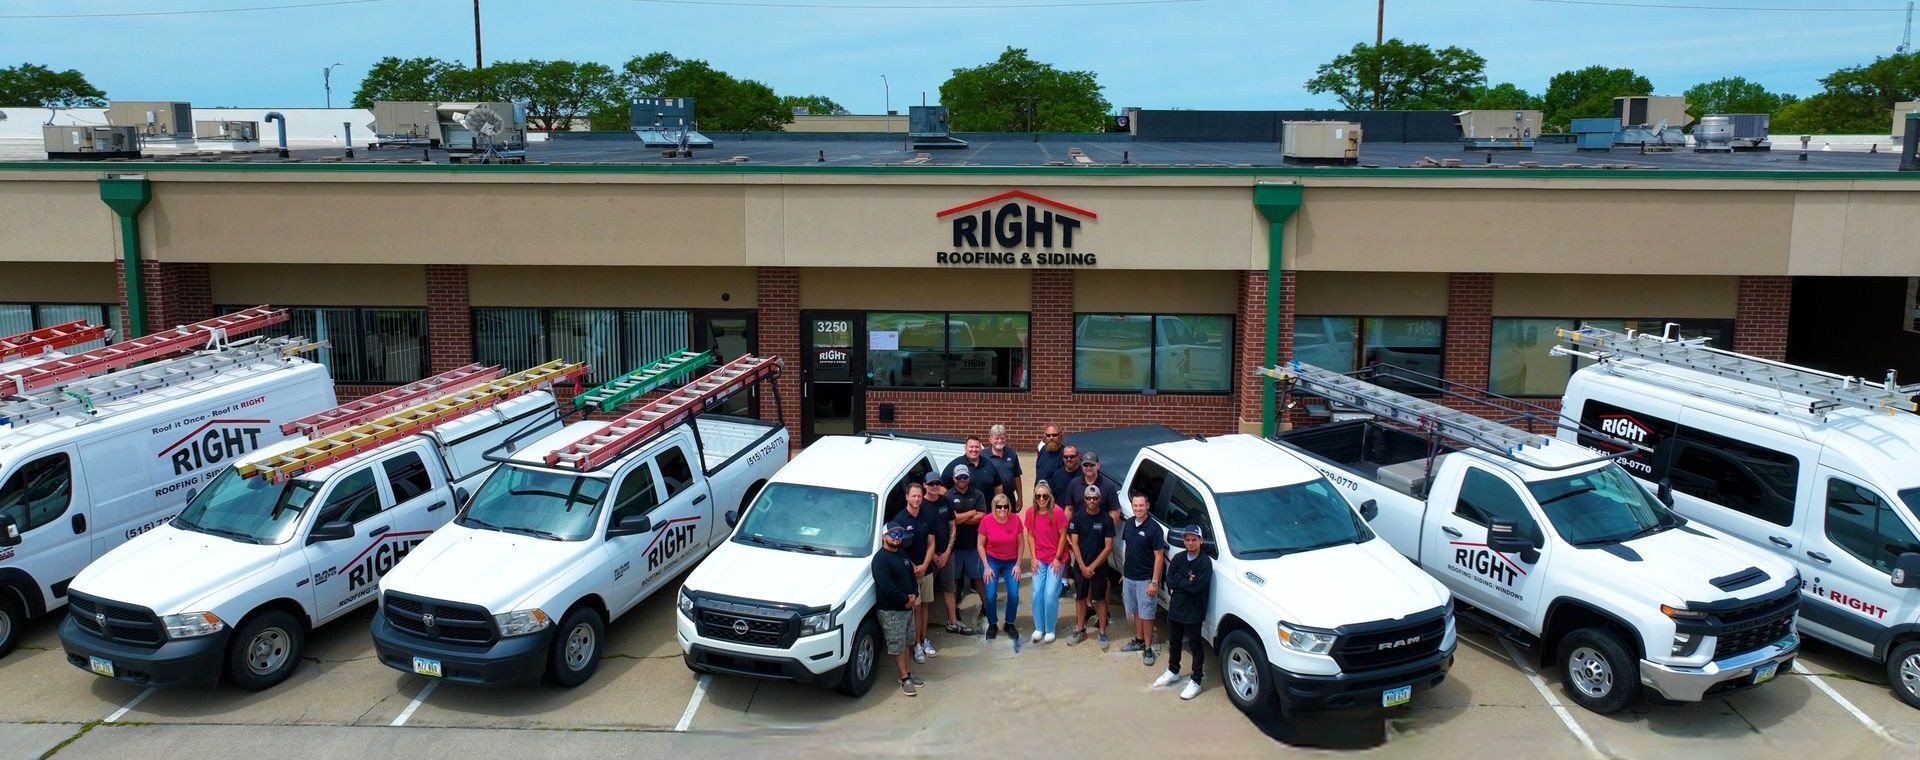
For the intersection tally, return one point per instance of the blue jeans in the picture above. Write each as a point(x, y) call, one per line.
point(1003, 573)
point(1046, 599)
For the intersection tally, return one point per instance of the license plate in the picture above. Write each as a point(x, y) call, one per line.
point(1766, 672)
point(101, 665)
point(1396, 697)
point(426, 667)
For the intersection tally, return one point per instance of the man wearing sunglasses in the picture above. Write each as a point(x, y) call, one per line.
point(1053, 444)
point(1090, 536)
point(896, 594)
point(1061, 478)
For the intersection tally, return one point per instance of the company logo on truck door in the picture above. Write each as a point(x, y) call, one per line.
point(373, 562)
point(1015, 228)
point(669, 539)
point(1486, 567)
point(215, 442)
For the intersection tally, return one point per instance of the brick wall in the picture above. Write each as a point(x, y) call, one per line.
point(449, 318)
point(175, 293)
point(1760, 316)
point(1469, 333)
point(778, 293)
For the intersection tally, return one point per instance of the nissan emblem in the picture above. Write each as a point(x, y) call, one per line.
point(426, 620)
point(740, 626)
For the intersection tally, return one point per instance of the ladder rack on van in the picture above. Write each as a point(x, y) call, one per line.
point(386, 402)
point(81, 398)
point(210, 333)
point(36, 342)
point(378, 432)
point(1826, 389)
point(647, 379)
point(681, 404)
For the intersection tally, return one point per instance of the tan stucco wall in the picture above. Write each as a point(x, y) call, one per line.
point(55, 220)
point(1370, 294)
point(1856, 233)
point(1626, 296)
point(319, 284)
point(915, 289)
point(58, 282)
point(634, 287)
point(1139, 292)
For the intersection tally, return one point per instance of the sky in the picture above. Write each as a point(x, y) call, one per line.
point(1199, 54)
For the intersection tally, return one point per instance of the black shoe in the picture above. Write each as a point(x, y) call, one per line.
point(1011, 631)
point(992, 633)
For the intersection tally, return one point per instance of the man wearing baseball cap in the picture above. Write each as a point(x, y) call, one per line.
point(969, 505)
point(1090, 536)
point(937, 510)
point(896, 594)
point(1189, 584)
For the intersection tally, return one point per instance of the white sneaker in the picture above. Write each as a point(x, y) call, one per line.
point(1166, 679)
point(919, 653)
point(1048, 639)
point(1192, 690)
point(1036, 637)
point(927, 646)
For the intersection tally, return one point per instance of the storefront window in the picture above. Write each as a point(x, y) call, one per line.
point(16, 318)
point(362, 344)
point(1139, 352)
point(1521, 366)
point(609, 341)
point(1344, 344)
point(941, 350)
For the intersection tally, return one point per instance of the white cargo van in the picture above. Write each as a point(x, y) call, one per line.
point(1816, 469)
point(91, 462)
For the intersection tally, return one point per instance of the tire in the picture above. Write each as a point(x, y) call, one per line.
point(575, 652)
point(265, 650)
point(1598, 670)
point(1244, 671)
point(12, 619)
point(863, 664)
point(1903, 671)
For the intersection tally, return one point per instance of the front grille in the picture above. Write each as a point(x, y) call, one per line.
point(115, 621)
point(1749, 628)
point(1389, 646)
point(454, 622)
point(748, 624)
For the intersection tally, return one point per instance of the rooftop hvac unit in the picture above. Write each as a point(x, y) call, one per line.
point(154, 118)
point(1900, 111)
point(90, 143)
point(930, 127)
point(1593, 134)
point(1320, 142)
point(237, 131)
point(405, 123)
point(483, 132)
point(1498, 129)
point(1731, 132)
point(667, 123)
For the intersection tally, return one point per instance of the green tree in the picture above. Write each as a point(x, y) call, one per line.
point(1396, 75)
point(817, 105)
point(640, 76)
point(1855, 99)
point(1733, 95)
point(721, 101)
point(1504, 96)
point(394, 78)
point(30, 84)
point(557, 92)
point(1588, 93)
point(1015, 93)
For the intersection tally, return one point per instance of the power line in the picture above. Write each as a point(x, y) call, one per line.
point(932, 7)
point(1692, 7)
point(203, 11)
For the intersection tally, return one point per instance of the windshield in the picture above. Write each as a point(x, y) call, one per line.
point(1912, 497)
point(1602, 506)
point(810, 519)
point(529, 502)
point(1288, 519)
point(247, 509)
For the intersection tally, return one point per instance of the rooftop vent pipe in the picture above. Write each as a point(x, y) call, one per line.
point(274, 116)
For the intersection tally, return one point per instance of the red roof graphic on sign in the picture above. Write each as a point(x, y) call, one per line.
point(1018, 194)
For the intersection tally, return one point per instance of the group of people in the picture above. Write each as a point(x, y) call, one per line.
point(968, 527)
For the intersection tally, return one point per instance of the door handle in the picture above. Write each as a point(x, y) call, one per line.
point(1819, 557)
point(1450, 531)
point(700, 498)
point(79, 524)
point(380, 531)
point(1781, 542)
point(436, 505)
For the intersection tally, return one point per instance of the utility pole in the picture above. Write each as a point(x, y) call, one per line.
point(326, 80)
point(1380, 22)
point(478, 63)
point(1906, 38)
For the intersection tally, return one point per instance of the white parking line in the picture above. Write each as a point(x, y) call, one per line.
point(1558, 709)
point(693, 703)
point(1870, 723)
point(131, 703)
point(401, 719)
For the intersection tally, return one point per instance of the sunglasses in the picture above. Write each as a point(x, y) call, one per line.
point(1043, 497)
point(1091, 499)
point(1070, 456)
point(1051, 435)
point(1002, 508)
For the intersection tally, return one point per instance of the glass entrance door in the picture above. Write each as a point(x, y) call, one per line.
point(831, 388)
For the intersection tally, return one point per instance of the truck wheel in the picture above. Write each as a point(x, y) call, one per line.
point(12, 619)
point(1243, 667)
point(1903, 671)
point(857, 677)
point(576, 648)
point(1598, 670)
point(265, 649)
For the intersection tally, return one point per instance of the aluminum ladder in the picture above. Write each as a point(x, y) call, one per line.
point(1446, 422)
point(677, 406)
point(620, 390)
point(1826, 389)
point(345, 444)
point(386, 402)
point(208, 333)
point(83, 397)
point(36, 342)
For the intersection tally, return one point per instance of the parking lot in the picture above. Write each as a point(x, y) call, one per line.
point(979, 697)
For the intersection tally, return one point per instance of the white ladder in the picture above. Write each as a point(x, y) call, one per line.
point(83, 398)
point(1826, 389)
point(1446, 422)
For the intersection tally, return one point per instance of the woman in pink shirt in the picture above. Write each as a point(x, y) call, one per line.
point(1046, 531)
point(1002, 538)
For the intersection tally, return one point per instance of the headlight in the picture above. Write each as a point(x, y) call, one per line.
point(190, 624)
point(1305, 641)
point(686, 604)
point(1684, 644)
point(1682, 614)
point(522, 622)
point(816, 624)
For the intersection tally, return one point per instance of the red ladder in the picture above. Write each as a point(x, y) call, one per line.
point(355, 412)
point(641, 425)
point(35, 342)
point(126, 353)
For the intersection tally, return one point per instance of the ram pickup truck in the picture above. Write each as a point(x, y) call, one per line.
point(1556, 547)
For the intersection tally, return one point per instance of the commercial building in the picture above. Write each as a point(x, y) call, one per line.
point(1016, 282)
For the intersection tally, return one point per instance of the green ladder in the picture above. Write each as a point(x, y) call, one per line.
point(646, 379)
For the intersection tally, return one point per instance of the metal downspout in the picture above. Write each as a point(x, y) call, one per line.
point(1276, 202)
point(127, 195)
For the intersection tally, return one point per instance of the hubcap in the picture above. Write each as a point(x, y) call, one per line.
point(1590, 672)
point(580, 646)
point(1242, 675)
point(6, 626)
point(268, 651)
point(1910, 674)
point(863, 661)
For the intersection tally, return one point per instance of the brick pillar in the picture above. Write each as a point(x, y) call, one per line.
point(1050, 368)
point(778, 293)
point(1760, 317)
point(1250, 350)
point(176, 293)
point(449, 318)
point(1469, 328)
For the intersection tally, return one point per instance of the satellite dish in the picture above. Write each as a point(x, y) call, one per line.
point(482, 121)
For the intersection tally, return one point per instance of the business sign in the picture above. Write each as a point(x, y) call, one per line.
point(1016, 228)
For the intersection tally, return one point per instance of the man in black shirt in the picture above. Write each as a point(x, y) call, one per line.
point(1061, 478)
point(1090, 536)
point(896, 595)
point(969, 505)
point(1049, 457)
point(986, 478)
point(1189, 587)
point(1006, 463)
point(939, 511)
point(919, 550)
point(1146, 557)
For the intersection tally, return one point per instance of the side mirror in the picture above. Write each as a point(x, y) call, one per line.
point(733, 518)
point(1369, 509)
point(631, 525)
point(9, 532)
point(338, 530)
point(1665, 492)
point(1906, 570)
point(460, 497)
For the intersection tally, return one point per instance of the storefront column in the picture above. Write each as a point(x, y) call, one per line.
point(1250, 348)
point(1276, 202)
point(449, 318)
point(1760, 316)
point(1469, 333)
point(169, 294)
point(777, 290)
point(1050, 369)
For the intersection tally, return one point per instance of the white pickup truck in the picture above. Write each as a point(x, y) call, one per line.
point(1310, 608)
point(525, 580)
point(250, 567)
point(790, 596)
point(1556, 547)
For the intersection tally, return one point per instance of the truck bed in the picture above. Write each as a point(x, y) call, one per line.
point(723, 436)
point(1373, 451)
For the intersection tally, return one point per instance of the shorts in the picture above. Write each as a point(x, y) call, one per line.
point(1139, 604)
point(943, 576)
point(966, 564)
point(926, 587)
point(1089, 588)
point(897, 625)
